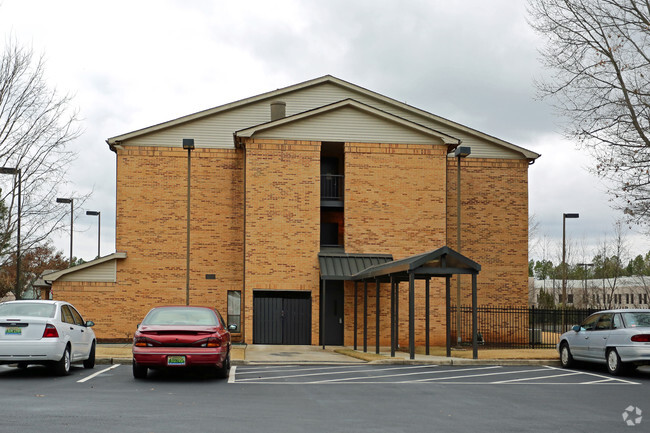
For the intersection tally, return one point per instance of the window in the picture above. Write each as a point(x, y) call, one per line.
point(618, 322)
point(569, 298)
point(66, 315)
point(77, 317)
point(604, 323)
point(590, 322)
point(234, 309)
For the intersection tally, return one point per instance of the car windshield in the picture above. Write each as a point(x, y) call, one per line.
point(636, 319)
point(31, 309)
point(181, 316)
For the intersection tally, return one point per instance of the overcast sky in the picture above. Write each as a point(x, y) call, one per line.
point(132, 64)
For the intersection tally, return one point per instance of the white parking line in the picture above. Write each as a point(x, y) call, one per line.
point(92, 376)
point(536, 378)
point(400, 374)
point(231, 376)
point(607, 378)
point(331, 372)
point(432, 379)
point(295, 368)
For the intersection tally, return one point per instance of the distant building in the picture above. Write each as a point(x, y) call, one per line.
point(623, 292)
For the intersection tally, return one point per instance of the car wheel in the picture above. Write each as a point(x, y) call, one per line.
point(90, 362)
point(614, 364)
point(62, 366)
point(139, 372)
point(22, 365)
point(566, 359)
point(224, 371)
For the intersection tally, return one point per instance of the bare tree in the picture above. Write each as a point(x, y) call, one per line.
point(598, 56)
point(36, 126)
point(608, 264)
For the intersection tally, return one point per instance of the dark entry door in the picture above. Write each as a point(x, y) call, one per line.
point(332, 317)
point(281, 317)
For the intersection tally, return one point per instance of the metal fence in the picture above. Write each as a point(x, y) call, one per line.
point(516, 327)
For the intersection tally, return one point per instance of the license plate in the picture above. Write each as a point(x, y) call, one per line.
point(13, 331)
point(176, 360)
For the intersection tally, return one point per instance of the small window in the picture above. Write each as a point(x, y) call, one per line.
point(76, 316)
point(66, 315)
point(604, 323)
point(569, 298)
point(618, 322)
point(234, 309)
point(590, 322)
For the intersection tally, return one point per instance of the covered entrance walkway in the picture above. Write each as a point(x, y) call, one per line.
point(441, 263)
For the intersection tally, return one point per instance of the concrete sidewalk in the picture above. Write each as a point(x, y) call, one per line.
point(281, 354)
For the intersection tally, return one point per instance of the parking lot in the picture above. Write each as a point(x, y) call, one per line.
point(310, 398)
point(423, 374)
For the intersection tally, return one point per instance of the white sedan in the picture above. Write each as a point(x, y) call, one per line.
point(50, 333)
point(619, 339)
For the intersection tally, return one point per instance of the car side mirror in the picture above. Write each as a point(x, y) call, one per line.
point(90, 324)
point(577, 328)
point(232, 327)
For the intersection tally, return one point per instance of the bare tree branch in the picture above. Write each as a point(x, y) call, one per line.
point(36, 126)
point(598, 53)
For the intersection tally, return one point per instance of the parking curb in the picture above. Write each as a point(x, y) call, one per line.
point(454, 361)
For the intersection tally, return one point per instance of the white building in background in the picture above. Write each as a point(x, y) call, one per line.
point(622, 292)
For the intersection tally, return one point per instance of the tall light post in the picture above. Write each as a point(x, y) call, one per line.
point(459, 152)
point(16, 172)
point(564, 218)
point(188, 144)
point(98, 214)
point(71, 201)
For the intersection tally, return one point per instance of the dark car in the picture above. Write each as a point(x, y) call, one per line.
point(181, 337)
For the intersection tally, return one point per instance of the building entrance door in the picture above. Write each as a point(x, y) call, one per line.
point(332, 319)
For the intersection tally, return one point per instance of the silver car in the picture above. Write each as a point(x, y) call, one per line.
point(45, 332)
point(619, 339)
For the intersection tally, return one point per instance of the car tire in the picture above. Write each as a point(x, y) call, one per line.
point(22, 365)
point(90, 362)
point(139, 372)
point(62, 366)
point(614, 364)
point(224, 371)
point(566, 359)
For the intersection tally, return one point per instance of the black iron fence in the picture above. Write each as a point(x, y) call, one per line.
point(516, 327)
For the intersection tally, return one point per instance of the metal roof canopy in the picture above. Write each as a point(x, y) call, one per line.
point(443, 262)
point(342, 266)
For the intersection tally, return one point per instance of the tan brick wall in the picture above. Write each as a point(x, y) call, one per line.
point(394, 204)
point(282, 221)
point(151, 228)
point(494, 222)
point(399, 199)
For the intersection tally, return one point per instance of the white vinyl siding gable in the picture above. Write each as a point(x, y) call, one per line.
point(102, 272)
point(348, 124)
point(216, 130)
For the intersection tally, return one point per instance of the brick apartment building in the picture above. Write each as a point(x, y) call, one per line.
point(283, 182)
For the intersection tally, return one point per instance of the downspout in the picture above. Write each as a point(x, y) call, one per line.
point(243, 307)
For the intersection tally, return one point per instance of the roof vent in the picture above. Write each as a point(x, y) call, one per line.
point(278, 110)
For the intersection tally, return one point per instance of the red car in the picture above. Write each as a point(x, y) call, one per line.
point(180, 336)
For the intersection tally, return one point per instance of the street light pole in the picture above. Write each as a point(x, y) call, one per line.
point(188, 144)
point(16, 171)
point(99, 227)
point(71, 201)
point(459, 152)
point(564, 217)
